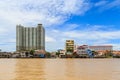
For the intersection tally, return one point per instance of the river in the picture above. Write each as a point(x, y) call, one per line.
point(59, 69)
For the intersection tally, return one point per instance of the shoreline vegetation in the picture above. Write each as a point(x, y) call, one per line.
point(55, 55)
point(57, 58)
point(61, 58)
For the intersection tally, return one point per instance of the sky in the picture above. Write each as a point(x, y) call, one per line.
point(91, 22)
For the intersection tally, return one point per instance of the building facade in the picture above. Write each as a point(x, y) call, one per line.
point(101, 48)
point(69, 46)
point(84, 51)
point(30, 38)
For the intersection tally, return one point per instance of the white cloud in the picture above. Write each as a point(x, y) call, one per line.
point(71, 26)
point(93, 36)
point(114, 3)
point(32, 12)
point(104, 4)
point(3, 30)
point(48, 12)
point(49, 39)
point(101, 3)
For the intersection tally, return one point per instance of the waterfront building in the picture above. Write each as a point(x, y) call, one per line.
point(22, 55)
point(69, 46)
point(84, 51)
point(61, 51)
point(39, 53)
point(16, 55)
point(101, 48)
point(116, 54)
point(5, 54)
point(75, 47)
point(30, 38)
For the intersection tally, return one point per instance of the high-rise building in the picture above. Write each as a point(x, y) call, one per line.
point(69, 45)
point(30, 38)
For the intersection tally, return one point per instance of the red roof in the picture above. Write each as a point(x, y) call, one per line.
point(81, 47)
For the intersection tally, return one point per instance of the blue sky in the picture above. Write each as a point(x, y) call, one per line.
point(92, 22)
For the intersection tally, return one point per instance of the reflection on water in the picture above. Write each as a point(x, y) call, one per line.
point(59, 69)
point(7, 69)
point(30, 69)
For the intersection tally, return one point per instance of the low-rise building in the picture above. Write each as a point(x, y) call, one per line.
point(39, 53)
point(5, 54)
point(23, 55)
point(101, 48)
point(86, 50)
point(15, 55)
point(83, 51)
point(61, 51)
point(116, 53)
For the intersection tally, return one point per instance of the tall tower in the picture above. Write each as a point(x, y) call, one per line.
point(30, 38)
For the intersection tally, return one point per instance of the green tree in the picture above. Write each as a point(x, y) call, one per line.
point(48, 54)
point(94, 53)
point(32, 52)
point(57, 53)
